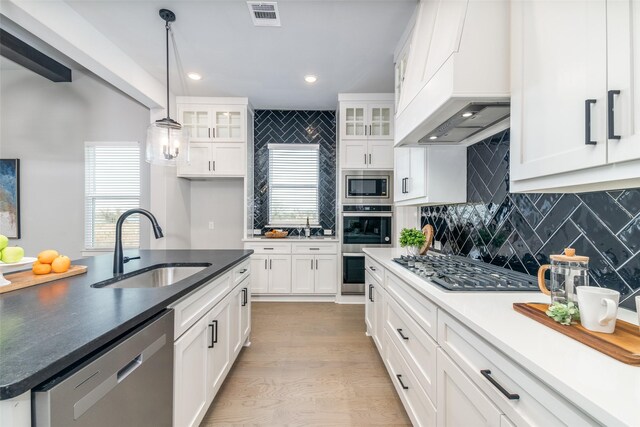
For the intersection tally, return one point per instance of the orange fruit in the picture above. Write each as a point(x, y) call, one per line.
point(40, 268)
point(61, 264)
point(47, 257)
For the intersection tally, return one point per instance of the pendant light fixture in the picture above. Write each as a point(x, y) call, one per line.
point(167, 140)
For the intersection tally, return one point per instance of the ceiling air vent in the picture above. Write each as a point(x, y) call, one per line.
point(264, 14)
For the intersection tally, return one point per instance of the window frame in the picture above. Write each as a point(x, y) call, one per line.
point(291, 222)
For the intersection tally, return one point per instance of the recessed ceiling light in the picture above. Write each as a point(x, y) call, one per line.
point(310, 78)
point(194, 76)
point(433, 137)
point(467, 114)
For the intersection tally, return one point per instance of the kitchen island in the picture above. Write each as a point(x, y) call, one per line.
point(47, 328)
point(553, 378)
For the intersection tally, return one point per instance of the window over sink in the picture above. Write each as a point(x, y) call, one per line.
point(112, 186)
point(293, 184)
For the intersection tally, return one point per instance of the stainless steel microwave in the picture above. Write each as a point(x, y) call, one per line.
point(367, 187)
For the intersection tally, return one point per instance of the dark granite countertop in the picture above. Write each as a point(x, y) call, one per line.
point(47, 328)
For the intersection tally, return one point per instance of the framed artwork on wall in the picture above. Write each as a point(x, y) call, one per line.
point(10, 198)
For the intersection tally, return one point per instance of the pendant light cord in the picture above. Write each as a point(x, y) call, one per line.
point(167, 28)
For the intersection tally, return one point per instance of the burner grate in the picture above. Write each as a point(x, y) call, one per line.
point(456, 273)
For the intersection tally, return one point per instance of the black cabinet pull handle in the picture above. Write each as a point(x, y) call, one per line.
point(265, 264)
point(587, 122)
point(246, 296)
point(369, 156)
point(365, 154)
point(268, 249)
point(311, 264)
point(270, 263)
point(244, 270)
point(487, 374)
point(370, 293)
point(243, 301)
point(402, 335)
point(404, 387)
point(372, 268)
point(611, 114)
point(214, 333)
point(316, 264)
point(314, 249)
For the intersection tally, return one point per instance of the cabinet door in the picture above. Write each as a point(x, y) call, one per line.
point(417, 183)
point(459, 402)
point(380, 154)
point(559, 61)
point(623, 73)
point(199, 160)
point(218, 346)
point(402, 173)
point(190, 375)
point(302, 274)
point(369, 308)
point(380, 121)
point(280, 274)
point(228, 159)
point(228, 124)
point(353, 121)
point(378, 317)
point(354, 154)
point(197, 120)
point(246, 312)
point(236, 307)
point(326, 274)
point(259, 274)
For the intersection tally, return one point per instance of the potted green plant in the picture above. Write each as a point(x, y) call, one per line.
point(412, 239)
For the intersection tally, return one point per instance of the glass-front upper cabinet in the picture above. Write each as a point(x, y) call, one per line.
point(366, 121)
point(213, 123)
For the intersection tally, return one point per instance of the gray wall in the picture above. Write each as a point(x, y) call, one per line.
point(45, 125)
point(220, 201)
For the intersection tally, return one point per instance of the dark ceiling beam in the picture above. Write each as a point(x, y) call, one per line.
point(29, 57)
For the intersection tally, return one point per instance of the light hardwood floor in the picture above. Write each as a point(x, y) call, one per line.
point(308, 364)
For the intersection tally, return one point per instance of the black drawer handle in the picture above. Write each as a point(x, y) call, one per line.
point(404, 387)
point(611, 113)
point(372, 268)
point(268, 249)
point(244, 270)
point(402, 335)
point(314, 249)
point(587, 122)
point(487, 374)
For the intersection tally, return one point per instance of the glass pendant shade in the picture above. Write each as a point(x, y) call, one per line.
point(167, 143)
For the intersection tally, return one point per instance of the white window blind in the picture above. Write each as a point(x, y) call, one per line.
point(112, 186)
point(293, 184)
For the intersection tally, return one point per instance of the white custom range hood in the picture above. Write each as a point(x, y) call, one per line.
point(456, 82)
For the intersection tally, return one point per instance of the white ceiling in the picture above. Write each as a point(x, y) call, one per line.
point(348, 44)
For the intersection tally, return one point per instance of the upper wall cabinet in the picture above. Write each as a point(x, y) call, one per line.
point(366, 123)
point(218, 130)
point(575, 110)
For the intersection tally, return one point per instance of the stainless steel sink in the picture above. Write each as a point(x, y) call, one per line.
point(156, 277)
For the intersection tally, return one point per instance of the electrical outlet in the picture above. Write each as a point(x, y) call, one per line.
point(257, 231)
point(437, 245)
point(327, 232)
point(211, 225)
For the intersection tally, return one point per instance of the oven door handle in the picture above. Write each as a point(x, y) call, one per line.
point(365, 214)
point(353, 254)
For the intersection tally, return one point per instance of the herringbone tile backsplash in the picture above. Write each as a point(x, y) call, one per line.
point(296, 127)
point(520, 231)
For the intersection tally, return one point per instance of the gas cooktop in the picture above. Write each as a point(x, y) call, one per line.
point(456, 273)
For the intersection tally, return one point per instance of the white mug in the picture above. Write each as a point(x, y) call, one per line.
point(598, 308)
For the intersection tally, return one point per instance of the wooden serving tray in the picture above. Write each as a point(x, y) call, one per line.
point(24, 279)
point(622, 345)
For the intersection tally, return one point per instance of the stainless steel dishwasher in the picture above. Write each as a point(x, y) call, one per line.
point(129, 383)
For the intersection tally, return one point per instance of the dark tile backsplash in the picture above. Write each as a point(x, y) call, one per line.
point(296, 127)
point(520, 231)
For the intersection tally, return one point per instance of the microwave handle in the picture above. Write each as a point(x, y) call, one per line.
point(371, 214)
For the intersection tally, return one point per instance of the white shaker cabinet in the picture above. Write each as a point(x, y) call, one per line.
point(207, 121)
point(219, 349)
point(362, 120)
point(459, 402)
point(314, 274)
point(208, 159)
point(271, 274)
point(366, 154)
point(575, 115)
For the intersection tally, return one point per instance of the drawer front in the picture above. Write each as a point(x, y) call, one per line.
point(194, 306)
point(416, 402)
point(314, 248)
point(269, 248)
point(241, 271)
point(423, 311)
point(417, 348)
point(536, 404)
point(375, 268)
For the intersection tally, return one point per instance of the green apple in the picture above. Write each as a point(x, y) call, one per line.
point(4, 241)
point(12, 254)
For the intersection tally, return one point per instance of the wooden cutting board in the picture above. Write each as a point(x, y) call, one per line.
point(622, 345)
point(24, 279)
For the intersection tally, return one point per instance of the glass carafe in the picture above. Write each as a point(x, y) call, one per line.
point(567, 272)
